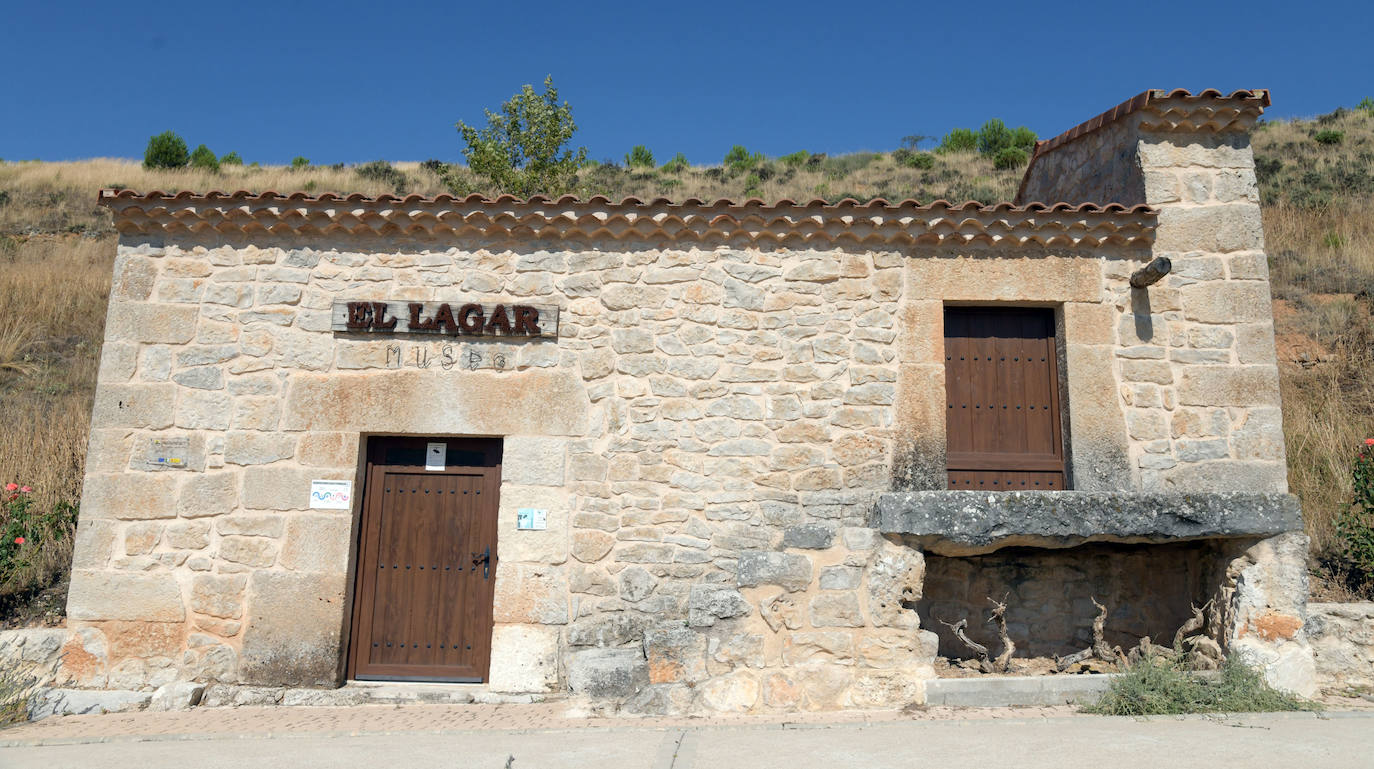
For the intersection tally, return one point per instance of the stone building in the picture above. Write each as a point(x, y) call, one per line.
point(692, 456)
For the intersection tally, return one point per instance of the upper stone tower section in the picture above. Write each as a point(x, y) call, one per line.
point(1130, 153)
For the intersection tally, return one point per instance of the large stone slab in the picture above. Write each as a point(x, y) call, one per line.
point(293, 636)
point(973, 522)
point(440, 402)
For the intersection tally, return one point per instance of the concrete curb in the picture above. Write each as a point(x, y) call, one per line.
point(1013, 691)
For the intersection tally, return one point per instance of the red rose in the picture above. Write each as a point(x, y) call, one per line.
point(18, 540)
point(11, 487)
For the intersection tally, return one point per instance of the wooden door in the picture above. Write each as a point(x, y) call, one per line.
point(1002, 396)
point(426, 563)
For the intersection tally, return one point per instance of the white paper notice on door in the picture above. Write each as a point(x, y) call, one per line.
point(435, 455)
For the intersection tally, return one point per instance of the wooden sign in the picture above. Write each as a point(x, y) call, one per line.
point(447, 318)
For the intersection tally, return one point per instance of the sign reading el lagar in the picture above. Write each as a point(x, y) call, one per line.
point(450, 318)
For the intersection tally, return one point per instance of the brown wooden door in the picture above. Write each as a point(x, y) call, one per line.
point(1002, 397)
point(426, 564)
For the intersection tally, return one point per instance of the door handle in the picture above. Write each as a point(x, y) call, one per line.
point(483, 558)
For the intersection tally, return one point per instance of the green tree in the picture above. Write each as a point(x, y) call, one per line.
point(958, 140)
point(299, 162)
point(523, 149)
point(166, 150)
point(231, 159)
point(204, 158)
point(639, 157)
point(993, 137)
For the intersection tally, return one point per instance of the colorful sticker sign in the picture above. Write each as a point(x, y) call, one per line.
point(331, 495)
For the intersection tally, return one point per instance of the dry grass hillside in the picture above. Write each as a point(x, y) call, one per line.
point(56, 250)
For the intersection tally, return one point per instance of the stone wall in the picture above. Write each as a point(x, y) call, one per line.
point(708, 432)
point(1342, 636)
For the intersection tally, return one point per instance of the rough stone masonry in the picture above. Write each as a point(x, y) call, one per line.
point(732, 389)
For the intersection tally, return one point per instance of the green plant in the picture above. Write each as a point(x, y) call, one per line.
point(204, 159)
point(677, 165)
point(25, 529)
point(958, 140)
point(1355, 525)
point(1328, 136)
point(741, 159)
point(1009, 157)
point(230, 159)
point(1366, 104)
point(1160, 685)
point(384, 172)
point(166, 150)
point(299, 162)
point(912, 159)
point(639, 157)
point(795, 159)
point(16, 685)
point(523, 149)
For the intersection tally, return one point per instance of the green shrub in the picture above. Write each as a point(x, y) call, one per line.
point(299, 162)
point(795, 159)
point(230, 159)
point(741, 159)
point(677, 165)
point(639, 157)
point(841, 166)
point(1157, 685)
point(912, 159)
point(1355, 525)
point(958, 140)
point(436, 167)
point(1009, 157)
point(166, 150)
point(523, 150)
point(1328, 136)
point(384, 172)
point(204, 159)
point(25, 530)
point(1366, 104)
point(1024, 138)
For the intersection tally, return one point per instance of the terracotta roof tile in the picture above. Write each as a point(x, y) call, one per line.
point(1179, 109)
point(876, 221)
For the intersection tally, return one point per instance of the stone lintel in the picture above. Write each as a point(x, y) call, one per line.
point(961, 523)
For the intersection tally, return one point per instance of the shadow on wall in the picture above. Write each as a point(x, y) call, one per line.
point(1147, 590)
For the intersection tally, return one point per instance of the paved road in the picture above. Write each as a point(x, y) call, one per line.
point(1334, 741)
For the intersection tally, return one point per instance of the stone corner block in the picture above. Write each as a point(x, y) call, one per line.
point(294, 629)
point(103, 595)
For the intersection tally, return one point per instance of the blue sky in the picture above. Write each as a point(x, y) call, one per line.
point(352, 82)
